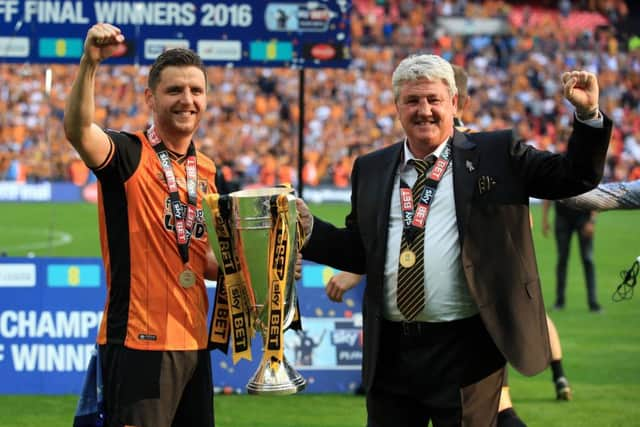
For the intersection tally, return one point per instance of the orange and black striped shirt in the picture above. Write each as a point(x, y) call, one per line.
point(146, 308)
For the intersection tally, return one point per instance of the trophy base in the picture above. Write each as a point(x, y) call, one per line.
point(267, 381)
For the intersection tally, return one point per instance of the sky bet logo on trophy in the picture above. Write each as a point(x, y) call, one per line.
point(256, 239)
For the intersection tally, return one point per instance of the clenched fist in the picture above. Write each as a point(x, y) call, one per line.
point(581, 89)
point(102, 42)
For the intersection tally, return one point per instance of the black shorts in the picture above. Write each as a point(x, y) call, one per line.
point(156, 388)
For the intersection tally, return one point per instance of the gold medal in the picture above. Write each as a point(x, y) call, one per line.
point(407, 258)
point(187, 278)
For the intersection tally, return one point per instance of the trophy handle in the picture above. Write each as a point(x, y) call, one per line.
point(292, 295)
point(291, 302)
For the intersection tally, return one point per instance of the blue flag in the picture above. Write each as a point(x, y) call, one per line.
point(90, 410)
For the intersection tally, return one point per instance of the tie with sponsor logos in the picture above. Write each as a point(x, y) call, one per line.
point(410, 292)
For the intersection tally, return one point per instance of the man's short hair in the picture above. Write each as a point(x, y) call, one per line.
point(175, 57)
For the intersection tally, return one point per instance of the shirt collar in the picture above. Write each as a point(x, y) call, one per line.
point(407, 155)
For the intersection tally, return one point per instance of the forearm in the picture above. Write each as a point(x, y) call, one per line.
point(614, 195)
point(337, 247)
point(587, 150)
point(80, 107)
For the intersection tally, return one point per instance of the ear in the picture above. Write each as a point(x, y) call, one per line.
point(454, 101)
point(148, 98)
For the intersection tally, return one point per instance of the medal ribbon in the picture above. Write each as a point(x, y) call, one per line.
point(415, 220)
point(279, 258)
point(183, 221)
point(231, 312)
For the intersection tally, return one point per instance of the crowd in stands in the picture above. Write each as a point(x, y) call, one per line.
point(251, 126)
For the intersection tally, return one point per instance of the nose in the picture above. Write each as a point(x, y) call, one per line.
point(423, 106)
point(187, 96)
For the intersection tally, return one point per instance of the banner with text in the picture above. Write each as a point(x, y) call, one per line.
point(257, 33)
point(50, 311)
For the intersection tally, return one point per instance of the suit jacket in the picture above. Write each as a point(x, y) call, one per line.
point(494, 175)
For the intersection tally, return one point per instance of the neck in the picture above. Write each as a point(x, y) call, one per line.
point(177, 143)
point(421, 151)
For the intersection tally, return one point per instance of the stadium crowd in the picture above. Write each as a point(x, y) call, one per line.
point(251, 131)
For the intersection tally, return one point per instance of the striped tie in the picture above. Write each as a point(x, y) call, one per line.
point(410, 293)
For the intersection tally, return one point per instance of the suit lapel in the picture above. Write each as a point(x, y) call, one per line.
point(465, 170)
point(385, 183)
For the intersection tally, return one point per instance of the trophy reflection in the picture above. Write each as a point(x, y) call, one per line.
point(256, 240)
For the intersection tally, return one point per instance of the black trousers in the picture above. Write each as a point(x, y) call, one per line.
point(156, 388)
point(565, 226)
point(448, 373)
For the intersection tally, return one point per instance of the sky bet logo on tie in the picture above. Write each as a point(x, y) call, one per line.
point(73, 276)
point(49, 47)
point(271, 51)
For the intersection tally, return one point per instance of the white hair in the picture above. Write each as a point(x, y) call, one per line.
point(428, 67)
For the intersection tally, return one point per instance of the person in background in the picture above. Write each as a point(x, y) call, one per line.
point(567, 221)
point(622, 195)
point(152, 341)
point(436, 336)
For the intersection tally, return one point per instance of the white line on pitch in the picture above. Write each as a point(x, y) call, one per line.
point(60, 238)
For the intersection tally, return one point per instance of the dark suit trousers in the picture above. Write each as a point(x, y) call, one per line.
point(565, 226)
point(448, 373)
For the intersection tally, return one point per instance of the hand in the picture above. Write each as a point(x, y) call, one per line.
point(298, 270)
point(341, 283)
point(102, 42)
point(581, 89)
point(305, 217)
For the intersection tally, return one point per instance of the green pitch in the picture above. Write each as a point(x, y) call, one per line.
point(601, 351)
point(71, 229)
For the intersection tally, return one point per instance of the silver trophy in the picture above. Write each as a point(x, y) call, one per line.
point(262, 229)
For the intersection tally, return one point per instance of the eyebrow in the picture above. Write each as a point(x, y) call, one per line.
point(181, 87)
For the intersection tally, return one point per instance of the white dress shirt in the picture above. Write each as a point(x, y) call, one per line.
point(446, 293)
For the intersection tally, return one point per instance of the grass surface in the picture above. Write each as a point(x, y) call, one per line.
point(601, 351)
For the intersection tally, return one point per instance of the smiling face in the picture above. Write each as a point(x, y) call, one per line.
point(178, 102)
point(426, 110)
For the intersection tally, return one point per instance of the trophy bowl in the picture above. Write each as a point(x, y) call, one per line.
point(263, 236)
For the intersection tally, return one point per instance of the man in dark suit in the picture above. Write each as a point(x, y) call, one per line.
point(441, 357)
